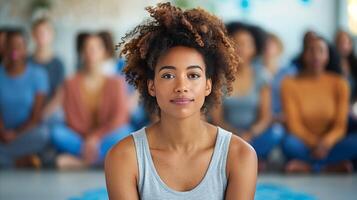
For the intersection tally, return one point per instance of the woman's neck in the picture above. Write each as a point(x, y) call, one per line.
point(311, 74)
point(271, 65)
point(43, 54)
point(14, 69)
point(181, 134)
point(92, 72)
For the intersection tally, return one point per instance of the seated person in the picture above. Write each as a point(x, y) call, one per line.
point(95, 109)
point(23, 89)
point(248, 111)
point(315, 104)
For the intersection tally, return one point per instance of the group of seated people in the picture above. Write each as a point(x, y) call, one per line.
point(306, 109)
point(303, 108)
point(80, 117)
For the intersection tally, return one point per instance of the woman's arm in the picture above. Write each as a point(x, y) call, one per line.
point(2, 130)
point(35, 115)
point(54, 103)
point(241, 170)
point(339, 127)
point(121, 171)
point(264, 115)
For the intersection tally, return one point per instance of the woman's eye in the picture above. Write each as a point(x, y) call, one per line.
point(194, 76)
point(167, 76)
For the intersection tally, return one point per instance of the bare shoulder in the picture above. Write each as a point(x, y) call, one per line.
point(121, 160)
point(122, 154)
point(241, 170)
point(121, 170)
point(241, 155)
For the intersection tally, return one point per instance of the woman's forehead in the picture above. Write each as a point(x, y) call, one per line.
point(181, 58)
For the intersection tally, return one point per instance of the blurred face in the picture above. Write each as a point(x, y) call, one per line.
point(309, 37)
point(272, 49)
point(245, 42)
point(344, 44)
point(16, 49)
point(180, 84)
point(43, 34)
point(316, 56)
point(93, 52)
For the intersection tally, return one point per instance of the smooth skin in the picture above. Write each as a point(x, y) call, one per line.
point(181, 140)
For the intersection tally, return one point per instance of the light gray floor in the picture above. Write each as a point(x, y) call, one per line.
point(52, 185)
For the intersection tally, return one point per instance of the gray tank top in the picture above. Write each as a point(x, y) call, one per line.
point(212, 186)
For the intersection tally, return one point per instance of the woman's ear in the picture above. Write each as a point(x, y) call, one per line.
point(208, 87)
point(151, 87)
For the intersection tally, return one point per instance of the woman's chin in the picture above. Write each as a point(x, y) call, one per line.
point(181, 114)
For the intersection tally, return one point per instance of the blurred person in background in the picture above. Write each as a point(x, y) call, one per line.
point(344, 45)
point(113, 67)
point(95, 108)
point(275, 72)
point(247, 112)
point(43, 36)
point(315, 104)
point(23, 89)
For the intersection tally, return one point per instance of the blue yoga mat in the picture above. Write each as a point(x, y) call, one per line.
point(264, 191)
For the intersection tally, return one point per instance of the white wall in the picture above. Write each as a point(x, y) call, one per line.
point(73, 16)
point(289, 19)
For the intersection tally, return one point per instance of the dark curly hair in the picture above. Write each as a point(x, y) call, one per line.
point(259, 35)
point(169, 27)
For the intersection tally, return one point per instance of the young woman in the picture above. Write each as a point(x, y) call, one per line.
point(315, 104)
point(248, 111)
point(95, 109)
point(23, 90)
point(43, 36)
point(180, 62)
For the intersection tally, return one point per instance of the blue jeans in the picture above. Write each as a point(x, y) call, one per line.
point(346, 149)
point(67, 140)
point(264, 143)
point(33, 141)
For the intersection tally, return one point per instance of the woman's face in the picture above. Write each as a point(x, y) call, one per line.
point(272, 49)
point(246, 45)
point(93, 52)
point(316, 56)
point(43, 34)
point(16, 49)
point(180, 84)
point(344, 44)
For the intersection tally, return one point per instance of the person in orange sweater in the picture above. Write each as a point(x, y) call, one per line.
point(95, 110)
point(315, 103)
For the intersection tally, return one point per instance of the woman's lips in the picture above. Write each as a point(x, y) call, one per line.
point(182, 101)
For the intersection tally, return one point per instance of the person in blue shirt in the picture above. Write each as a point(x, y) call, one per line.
point(43, 35)
point(23, 89)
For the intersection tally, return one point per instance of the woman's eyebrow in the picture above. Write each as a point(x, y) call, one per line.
point(174, 68)
point(167, 67)
point(195, 66)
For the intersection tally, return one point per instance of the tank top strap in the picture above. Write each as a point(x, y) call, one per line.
point(141, 154)
point(222, 147)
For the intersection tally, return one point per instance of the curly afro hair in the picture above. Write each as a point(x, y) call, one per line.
point(168, 27)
